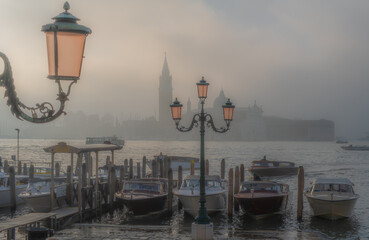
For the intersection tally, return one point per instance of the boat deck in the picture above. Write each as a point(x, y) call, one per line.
point(24, 220)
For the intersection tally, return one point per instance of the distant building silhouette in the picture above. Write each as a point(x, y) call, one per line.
point(165, 94)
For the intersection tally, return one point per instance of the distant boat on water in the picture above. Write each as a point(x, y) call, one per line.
point(267, 168)
point(103, 140)
point(355, 148)
point(341, 141)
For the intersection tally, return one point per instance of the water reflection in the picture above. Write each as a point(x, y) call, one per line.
point(338, 229)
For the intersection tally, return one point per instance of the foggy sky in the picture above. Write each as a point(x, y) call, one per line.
point(300, 60)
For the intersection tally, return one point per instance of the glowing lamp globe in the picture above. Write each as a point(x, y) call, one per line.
point(65, 40)
point(202, 89)
point(228, 109)
point(176, 108)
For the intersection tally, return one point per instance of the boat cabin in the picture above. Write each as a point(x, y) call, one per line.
point(267, 163)
point(145, 186)
point(339, 185)
point(193, 182)
point(258, 186)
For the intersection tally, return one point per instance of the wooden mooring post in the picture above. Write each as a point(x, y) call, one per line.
point(154, 168)
point(31, 171)
point(19, 167)
point(242, 173)
point(222, 169)
point(161, 163)
point(179, 184)
point(112, 184)
point(121, 177)
point(13, 203)
point(57, 169)
point(144, 167)
point(300, 191)
point(125, 167)
point(69, 192)
point(138, 170)
point(170, 190)
point(192, 167)
point(84, 185)
point(207, 167)
point(236, 187)
point(230, 192)
point(25, 172)
point(6, 166)
point(130, 168)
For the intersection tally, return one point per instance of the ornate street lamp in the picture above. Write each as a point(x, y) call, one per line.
point(65, 40)
point(202, 88)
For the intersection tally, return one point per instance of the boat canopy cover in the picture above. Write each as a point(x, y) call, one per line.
point(332, 181)
point(62, 147)
point(197, 177)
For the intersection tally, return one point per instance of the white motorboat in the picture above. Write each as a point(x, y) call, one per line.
point(37, 194)
point(332, 198)
point(189, 194)
point(20, 186)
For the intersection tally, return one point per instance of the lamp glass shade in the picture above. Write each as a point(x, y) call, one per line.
point(202, 91)
point(228, 109)
point(176, 110)
point(69, 54)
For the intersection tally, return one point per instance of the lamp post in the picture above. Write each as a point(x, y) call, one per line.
point(65, 40)
point(202, 222)
point(17, 129)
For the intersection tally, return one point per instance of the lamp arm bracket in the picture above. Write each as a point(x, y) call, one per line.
point(210, 124)
point(41, 113)
point(194, 123)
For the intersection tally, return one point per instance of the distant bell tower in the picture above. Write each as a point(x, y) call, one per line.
point(189, 106)
point(165, 94)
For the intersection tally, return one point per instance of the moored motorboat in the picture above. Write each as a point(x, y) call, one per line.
point(355, 148)
point(37, 194)
point(266, 168)
point(21, 183)
point(176, 161)
point(262, 197)
point(189, 194)
point(143, 196)
point(332, 198)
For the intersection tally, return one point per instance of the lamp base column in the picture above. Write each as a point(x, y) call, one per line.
point(202, 231)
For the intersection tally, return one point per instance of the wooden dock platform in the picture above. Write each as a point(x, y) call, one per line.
point(24, 220)
point(65, 212)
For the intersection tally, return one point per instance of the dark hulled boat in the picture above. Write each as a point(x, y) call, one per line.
point(143, 196)
point(266, 168)
point(261, 197)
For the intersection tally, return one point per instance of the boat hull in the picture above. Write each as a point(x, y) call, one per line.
point(214, 203)
point(141, 206)
point(262, 205)
point(273, 171)
point(5, 196)
point(331, 209)
point(41, 203)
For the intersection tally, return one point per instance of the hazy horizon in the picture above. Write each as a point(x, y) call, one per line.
point(299, 60)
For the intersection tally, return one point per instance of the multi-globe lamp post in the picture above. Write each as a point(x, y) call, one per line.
point(65, 40)
point(202, 227)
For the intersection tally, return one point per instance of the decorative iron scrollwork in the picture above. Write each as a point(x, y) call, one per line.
point(42, 112)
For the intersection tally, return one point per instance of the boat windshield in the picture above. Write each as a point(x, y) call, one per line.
point(191, 184)
point(327, 187)
point(151, 187)
point(261, 187)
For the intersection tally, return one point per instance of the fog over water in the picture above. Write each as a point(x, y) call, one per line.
point(299, 60)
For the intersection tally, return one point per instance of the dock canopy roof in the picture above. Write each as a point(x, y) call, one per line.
point(63, 147)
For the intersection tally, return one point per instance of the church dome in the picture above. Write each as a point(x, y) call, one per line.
point(220, 100)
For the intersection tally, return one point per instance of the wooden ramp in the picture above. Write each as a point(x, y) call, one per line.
point(65, 212)
point(24, 220)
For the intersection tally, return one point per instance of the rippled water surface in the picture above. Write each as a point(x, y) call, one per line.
point(320, 159)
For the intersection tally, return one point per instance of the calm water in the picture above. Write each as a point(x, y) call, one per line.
point(320, 159)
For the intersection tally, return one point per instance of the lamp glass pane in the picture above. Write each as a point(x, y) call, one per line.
point(228, 113)
point(176, 112)
point(70, 53)
point(202, 90)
